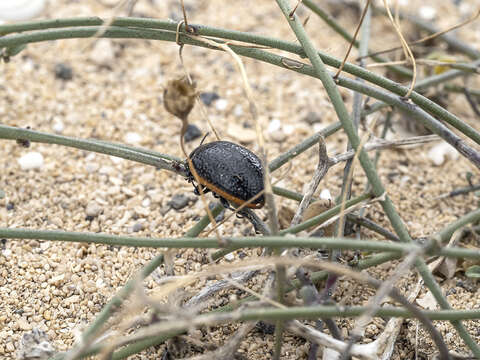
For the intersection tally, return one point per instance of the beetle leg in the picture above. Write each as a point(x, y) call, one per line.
point(227, 205)
point(196, 190)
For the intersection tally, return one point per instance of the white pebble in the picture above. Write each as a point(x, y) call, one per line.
point(20, 9)
point(31, 160)
point(238, 110)
point(439, 152)
point(103, 52)
point(221, 104)
point(274, 125)
point(427, 12)
point(58, 127)
point(93, 209)
point(289, 129)
point(229, 257)
point(132, 138)
point(326, 195)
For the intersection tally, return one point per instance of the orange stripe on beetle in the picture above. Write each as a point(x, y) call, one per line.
point(231, 171)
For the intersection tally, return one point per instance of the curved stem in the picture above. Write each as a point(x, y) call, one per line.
point(143, 30)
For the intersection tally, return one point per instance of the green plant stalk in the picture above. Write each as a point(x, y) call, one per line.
point(143, 156)
point(274, 242)
point(292, 313)
point(145, 32)
point(443, 236)
point(377, 186)
point(330, 21)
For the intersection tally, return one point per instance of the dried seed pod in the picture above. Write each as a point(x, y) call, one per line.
point(179, 97)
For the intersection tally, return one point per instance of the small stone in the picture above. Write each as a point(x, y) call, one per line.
point(209, 97)
point(31, 160)
point(274, 125)
point(103, 52)
point(10, 206)
point(132, 138)
point(229, 257)
point(238, 110)
point(179, 201)
point(326, 195)
point(47, 315)
point(137, 227)
point(93, 209)
point(91, 167)
point(427, 12)
point(221, 104)
point(20, 10)
point(63, 72)
point(278, 136)
point(192, 133)
point(58, 127)
point(90, 286)
point(312, 117)
point(242, 134)
point(35, 345)
point(440, 152)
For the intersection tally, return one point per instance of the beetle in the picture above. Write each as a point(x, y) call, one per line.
point(231, 172)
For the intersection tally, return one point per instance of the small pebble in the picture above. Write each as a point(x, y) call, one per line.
point(325, 194)
point(93, 209)
point(312, 117)
point(278, 136)
point(179, 201)
point(138, 227)
point(103, 52)
point(63, 71)
point(427, 12)
point(31, 160)
point(192, 133)
point(132, 138)
point(221, 104)
point(274, 125)
point(229, 257)
point(440, 152)
point(10, 206)
point(58, 127)
point(20, 10)
point(238, 110)
point(209, 97)
point(91, 167)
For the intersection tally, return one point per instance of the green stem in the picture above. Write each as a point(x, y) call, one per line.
point(273, 242)
point(145, 32)
point(143, 156)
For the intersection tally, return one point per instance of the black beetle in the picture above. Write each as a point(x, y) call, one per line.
point(232, 172)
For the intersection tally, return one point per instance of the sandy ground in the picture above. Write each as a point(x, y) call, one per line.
point(116, 95)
